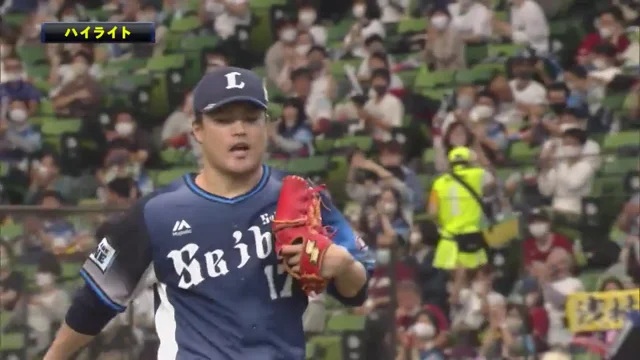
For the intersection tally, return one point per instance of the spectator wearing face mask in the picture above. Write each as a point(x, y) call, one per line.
point(389, 219)
point(490, 133)
point(366, 24)
point(45, 176)
point(127, 134)
point(572, 118)
point(528, 26)
point(121, 192)
point(318, 62)
point(629, 223)
point(557, 283)
point(445, 48)
point(604, 63)
point(290, 136)
point(177, 127)
point(537, 247)
point(609, 29)
point(48, 305)
point(228, 15)
point(380, 60)
point(120, 163)
point(382, 113)
point(569, 179)
point(317, 106)
point(509, 336)
point(472, 20)
point(295, 58)
point(418, 342)
point(277, 53)
point(12, 283)
point(15, 86)
point(373, 44)
point(80, 96)
point(17, 137)
point(308, 22)
point(462, 104)
point(526, 91)
point(391, 157)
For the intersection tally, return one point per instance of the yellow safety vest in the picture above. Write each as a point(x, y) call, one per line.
point(458, 211)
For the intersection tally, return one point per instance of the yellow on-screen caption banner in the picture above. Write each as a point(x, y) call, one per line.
point(600, 311)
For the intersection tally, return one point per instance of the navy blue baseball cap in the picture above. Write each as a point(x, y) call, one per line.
point(226, 85)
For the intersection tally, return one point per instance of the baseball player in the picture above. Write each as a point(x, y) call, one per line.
point(234, 251)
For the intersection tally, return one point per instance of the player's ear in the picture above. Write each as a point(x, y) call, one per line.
point(197, 128)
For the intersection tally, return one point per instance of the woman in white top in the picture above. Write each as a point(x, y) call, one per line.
point(570, 179)
point(472, 19)
point(367, 24)
point(308, 22)
point(226, 15)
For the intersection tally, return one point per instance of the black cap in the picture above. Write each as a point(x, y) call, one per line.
point(228, 84)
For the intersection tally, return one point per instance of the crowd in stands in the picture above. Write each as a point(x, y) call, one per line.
point(368, 97)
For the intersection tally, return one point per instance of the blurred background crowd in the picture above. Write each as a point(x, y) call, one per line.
point(369, 97)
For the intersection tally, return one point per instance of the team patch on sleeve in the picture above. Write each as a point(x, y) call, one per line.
point(103, 255)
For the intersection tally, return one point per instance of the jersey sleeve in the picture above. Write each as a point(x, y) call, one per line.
point(345, 236)
point(121, 260)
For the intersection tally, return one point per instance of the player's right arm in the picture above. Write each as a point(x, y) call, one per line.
point(112, 276)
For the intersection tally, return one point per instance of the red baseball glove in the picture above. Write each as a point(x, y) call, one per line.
point(298, 221)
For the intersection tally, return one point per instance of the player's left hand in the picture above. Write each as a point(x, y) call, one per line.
point(336, 260)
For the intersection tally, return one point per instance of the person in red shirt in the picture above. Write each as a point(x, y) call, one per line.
point(537, 248)
point(610, 29)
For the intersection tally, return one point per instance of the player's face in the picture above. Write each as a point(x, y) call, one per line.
point(233, 138)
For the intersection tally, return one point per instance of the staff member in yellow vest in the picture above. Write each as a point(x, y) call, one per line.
point(457, 202)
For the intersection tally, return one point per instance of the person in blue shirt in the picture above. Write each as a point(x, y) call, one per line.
point(292, 137)
point(18, 138)
point(205, 244)
point(15, 86)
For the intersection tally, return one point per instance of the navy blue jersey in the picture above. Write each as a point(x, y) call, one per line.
point(220, 292)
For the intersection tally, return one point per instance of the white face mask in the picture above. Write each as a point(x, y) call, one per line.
point(70, 18)
point(303, 49)
point(44, 279)
point(423, 331)
point(605, 32)
point(307, 17)
point(478, 287)
point(288, 35)
point(42, 170)
point(383, 256)
point(124, 128)
point(11, 76)
point(600, 64)
point(571, 151)
point(440, 22)
point(359, 10)
point(539, 229)
point(481, 112)
point(390, 208)
point(18, 115)
point(415, 238)
point(464, 102)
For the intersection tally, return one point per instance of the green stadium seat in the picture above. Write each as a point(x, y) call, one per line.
point(338, 31)
point(14, 20)
point(198, 43)
point(185, 24)
point(166, 62)
point(265, 4)
point(425, 181)
point(615, 141)
point(323, 145)
point(429, 156)
point(475, 53)
point(277, 163)
point(363, 143)
point(504, 50)
point(59, 126)
point(38, 71)
point(478, 76)
point(165, 177)
point(342, 322)
point(310, 351)
point(437, 94)
point(412, 25)
point(176, 156)
point(614, 102)
point(124, 66)
point(12, 341)
point(45, 108)
point(89, 202)
point(432, 79)
point(71, 269)
point(523, 151)
point(620, 166)
point(329, 345)
point(337, 67)
point(32, 54)
point(590, 279)
point(11, 230)
point(313, 165)
point(274, 110)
